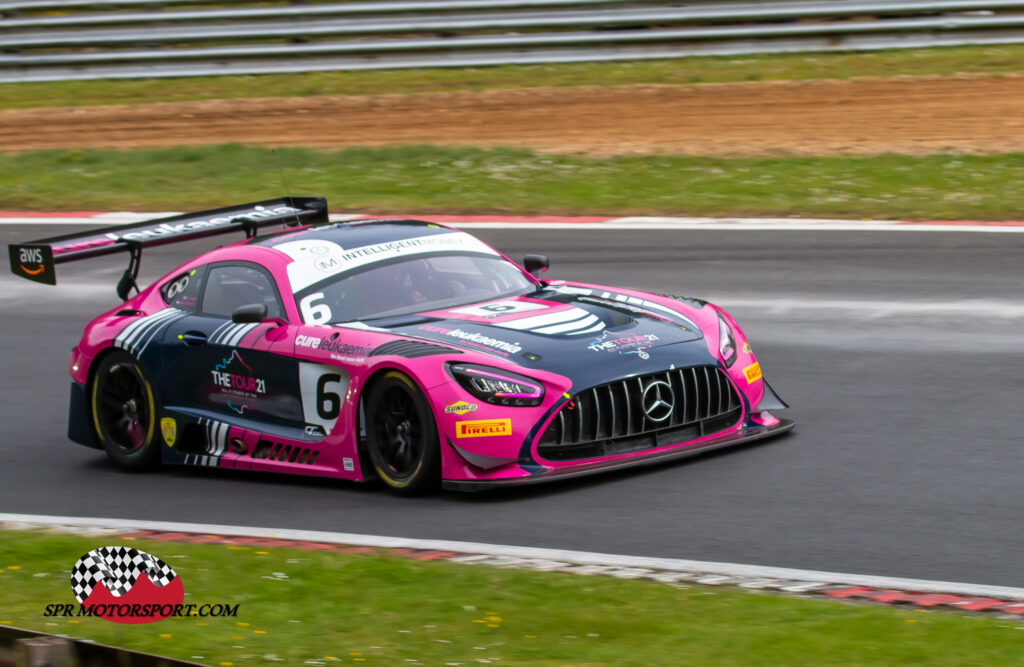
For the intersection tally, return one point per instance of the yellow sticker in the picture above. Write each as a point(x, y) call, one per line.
point(169, 429)
point(460, 408)
point(746, 348)
point(481, 428)
point(753, 372)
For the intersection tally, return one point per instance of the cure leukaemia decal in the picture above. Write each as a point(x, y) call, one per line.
point(503, 348)
point(165, 229)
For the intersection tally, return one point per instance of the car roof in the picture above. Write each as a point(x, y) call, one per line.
point(357, 233)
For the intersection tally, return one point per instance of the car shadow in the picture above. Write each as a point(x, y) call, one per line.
point(100, 463)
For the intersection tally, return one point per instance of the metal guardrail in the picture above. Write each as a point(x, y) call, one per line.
point(38, 43)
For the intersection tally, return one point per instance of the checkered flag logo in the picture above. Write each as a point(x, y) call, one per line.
point(118, 568)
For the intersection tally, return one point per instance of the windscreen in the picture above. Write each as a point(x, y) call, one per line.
point(411, 285)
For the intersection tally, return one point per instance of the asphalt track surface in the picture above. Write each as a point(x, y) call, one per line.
point(899, 351)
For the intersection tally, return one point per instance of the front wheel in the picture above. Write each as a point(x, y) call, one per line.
point(124, 412)
point(402, 436)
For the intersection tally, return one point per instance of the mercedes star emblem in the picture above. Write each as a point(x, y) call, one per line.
point(658, 400)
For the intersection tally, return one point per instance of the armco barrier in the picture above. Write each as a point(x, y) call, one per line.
point(57, 40)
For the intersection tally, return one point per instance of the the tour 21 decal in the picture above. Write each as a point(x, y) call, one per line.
point(127, 585)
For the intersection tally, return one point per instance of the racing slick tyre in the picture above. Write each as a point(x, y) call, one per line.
point(401, 435)
point(124, 412)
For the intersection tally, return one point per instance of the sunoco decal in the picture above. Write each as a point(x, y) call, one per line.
point(460, 408)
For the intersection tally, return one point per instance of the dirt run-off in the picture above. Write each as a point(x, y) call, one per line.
point(913, 115)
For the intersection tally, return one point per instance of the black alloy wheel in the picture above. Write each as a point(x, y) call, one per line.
point(124, 412)
point(401, 435)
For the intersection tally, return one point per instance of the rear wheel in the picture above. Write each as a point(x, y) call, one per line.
point(402, 436)
point(124, 412)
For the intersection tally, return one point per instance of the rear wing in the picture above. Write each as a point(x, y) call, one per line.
point(36, 260)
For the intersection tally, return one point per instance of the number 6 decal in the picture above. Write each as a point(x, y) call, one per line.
point(323, 390)
point(328, 404)
point(312, 312)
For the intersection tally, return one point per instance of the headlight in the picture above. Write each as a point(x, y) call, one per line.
point(726, 342)
point(497, 386)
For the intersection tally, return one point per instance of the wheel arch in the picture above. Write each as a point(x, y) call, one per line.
point(374, 377)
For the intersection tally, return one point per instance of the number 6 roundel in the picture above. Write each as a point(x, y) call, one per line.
point(323, 390)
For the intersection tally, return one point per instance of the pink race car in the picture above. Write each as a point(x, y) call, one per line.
point(398, 349)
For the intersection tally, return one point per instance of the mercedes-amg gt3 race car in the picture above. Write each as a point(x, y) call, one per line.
point(398, 349)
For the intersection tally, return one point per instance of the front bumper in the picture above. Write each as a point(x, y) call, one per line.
point(727, 439)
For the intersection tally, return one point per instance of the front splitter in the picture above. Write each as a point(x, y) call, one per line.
point(728, 439)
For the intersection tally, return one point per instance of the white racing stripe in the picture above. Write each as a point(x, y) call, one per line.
point(710, 568)
point(135, 337)
point(570, 322)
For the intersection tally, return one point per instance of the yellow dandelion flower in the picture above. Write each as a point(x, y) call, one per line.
point(259, 632)
point(243, 625)
point(164, 635)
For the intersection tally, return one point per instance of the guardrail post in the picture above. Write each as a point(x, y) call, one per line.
point(45, 652)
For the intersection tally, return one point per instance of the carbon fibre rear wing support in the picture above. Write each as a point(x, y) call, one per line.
point(36, 260)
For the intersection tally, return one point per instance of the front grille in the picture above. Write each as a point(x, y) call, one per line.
point(611, 418)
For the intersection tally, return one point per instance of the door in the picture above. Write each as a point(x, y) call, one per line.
point(217, 369)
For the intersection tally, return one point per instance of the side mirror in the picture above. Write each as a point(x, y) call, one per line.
point(253, 312)
point(535, 264)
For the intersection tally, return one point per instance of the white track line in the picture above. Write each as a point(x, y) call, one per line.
point(577, 557)
point(631, 223)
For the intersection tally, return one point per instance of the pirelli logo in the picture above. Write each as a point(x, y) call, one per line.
point(481, 428)
point(753, 372)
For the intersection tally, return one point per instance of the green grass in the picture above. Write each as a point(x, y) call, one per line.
point(424, 179)
point(937, 61)
point(310, 605)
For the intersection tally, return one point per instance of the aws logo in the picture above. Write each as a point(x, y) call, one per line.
point(34, 262)
point(32, 256)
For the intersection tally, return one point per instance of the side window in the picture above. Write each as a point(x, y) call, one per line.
point(229, 286)
point(183, 292)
